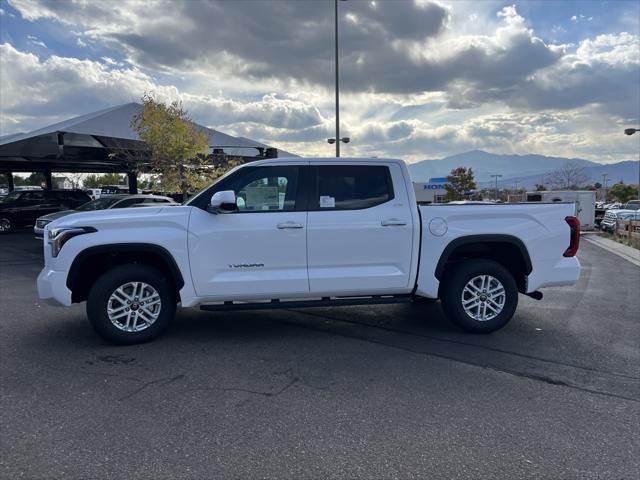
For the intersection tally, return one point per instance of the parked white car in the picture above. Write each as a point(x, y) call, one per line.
point(307, 232)
point(94, 193)
point(610, 221)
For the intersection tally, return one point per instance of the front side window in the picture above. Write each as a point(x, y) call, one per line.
point(99, 204)
point(265, 189)
point(351, 187)
point(33, 196)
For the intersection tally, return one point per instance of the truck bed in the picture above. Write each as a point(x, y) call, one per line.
point(540, 224)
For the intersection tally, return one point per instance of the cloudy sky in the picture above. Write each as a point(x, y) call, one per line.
point(419, 79)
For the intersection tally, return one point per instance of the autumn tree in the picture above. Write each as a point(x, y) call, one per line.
point(76, 179)
point(570, 176)
point(622, 192)
point(178, 151)
point(459, 182)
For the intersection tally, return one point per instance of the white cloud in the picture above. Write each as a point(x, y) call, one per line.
point(33, 87)
point(420, 79)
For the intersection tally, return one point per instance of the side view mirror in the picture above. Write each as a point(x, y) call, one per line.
point(223, 202)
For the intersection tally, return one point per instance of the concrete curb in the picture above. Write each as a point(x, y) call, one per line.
point(628, 253)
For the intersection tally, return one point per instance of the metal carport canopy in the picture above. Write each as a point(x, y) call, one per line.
point(87, 144)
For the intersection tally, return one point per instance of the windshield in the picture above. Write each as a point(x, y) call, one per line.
point(12, 197)
point(98, 204)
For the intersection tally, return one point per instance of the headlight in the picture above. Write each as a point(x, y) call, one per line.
point(42, 223)
point(59, 236)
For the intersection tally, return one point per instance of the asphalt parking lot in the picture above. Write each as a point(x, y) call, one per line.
point(376, 392)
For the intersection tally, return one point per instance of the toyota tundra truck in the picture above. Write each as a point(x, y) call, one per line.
point(293, 233)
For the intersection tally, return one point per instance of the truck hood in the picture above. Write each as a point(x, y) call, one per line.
point(123, 217)
point(616, 211)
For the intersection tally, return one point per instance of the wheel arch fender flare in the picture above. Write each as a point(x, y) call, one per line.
point(482, 239)
point(115, 248)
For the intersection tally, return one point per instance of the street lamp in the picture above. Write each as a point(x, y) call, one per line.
point(345, 139)
point(631, 131)
point(604, 184)
point(496, 177)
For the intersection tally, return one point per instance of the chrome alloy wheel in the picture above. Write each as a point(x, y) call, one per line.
point(483, 298)
point(134, 306)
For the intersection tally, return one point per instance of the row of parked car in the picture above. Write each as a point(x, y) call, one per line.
point(39, 207)
point(619, 213)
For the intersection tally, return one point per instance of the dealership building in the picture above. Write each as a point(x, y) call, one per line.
point(432, 191)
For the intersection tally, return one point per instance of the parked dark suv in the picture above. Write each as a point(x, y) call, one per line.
point(21, 208)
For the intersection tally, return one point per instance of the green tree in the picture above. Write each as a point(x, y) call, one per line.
point(459, 182)
point(35, 179)
point(96, 181)
point(178, 150)
point(540, 188)
point(623, 193)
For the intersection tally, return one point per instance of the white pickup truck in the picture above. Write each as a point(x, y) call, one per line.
point(287, 233)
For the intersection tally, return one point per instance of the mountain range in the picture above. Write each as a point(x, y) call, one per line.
point(526, 170)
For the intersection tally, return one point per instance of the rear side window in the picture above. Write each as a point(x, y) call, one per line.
point(351, 187)
point(81, 196)
point(129, 202)
point(63, 195)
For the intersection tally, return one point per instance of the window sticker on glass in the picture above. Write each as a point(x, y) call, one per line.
point(327, 202)
point(262, 198)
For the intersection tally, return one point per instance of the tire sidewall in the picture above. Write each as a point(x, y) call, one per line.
point(109, 282)
point(454, 284)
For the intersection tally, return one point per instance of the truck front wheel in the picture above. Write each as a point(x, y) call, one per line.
point(479, 296)
point(131, 304)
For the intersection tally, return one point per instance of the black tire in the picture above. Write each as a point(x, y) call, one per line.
point(106, 285)
point(6, 223)
point(452, 290)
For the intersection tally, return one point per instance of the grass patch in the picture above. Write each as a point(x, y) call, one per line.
point(628, 241)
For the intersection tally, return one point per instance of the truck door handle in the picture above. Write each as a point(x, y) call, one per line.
point(393, 222)
point(289, 225)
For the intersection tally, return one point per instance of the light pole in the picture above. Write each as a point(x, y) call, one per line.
point(631, 131)
point(604, 185)
point(496, 177)
point(337, 140)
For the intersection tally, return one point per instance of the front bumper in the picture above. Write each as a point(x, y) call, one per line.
point(52, 287)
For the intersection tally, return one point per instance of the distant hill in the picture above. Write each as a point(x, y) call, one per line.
point(527, 170)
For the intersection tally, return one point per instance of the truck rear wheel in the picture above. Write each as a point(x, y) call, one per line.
point(479, 296)
point(131, 304)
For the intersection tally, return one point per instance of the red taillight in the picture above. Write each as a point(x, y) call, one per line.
point(574, 243)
